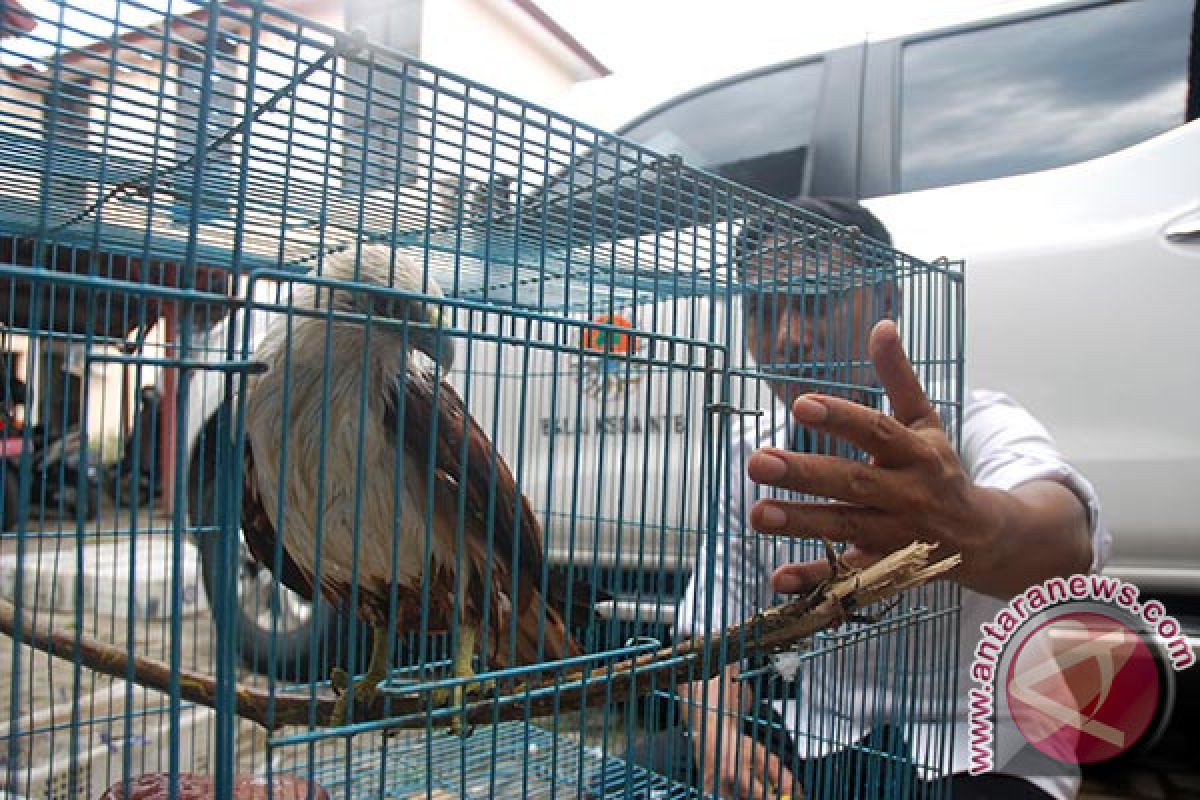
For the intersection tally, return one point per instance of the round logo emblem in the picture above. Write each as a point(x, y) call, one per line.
point(602, 341)
point(607, 371)
point(1083, 687)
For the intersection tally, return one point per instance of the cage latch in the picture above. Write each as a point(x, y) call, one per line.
point(729, 408)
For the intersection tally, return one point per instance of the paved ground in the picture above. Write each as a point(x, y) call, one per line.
point(1170, 770)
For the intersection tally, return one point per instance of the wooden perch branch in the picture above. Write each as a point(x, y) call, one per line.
point(770, 631)
point(194, 687)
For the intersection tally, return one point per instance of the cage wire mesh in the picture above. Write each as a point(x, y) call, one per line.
point(235, 245)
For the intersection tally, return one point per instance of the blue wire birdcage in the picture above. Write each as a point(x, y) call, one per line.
point(184, 193)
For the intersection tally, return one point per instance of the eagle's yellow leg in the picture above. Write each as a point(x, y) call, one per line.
point(463, 667)
point(365, 690)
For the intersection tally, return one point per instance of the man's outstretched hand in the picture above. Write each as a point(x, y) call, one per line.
point(913, 488)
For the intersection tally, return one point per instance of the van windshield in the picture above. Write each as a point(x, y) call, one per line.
point(755, 131)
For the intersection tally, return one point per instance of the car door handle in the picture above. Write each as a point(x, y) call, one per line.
point(1184, 230)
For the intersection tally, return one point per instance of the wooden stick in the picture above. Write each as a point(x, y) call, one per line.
point(768, 632)
point(252, 704)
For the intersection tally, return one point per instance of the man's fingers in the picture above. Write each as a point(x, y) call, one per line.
point(762, 776)
point(755, 788)
point(802, 577)
point(830, 476)
point(883, 436)
point(866, 527)
point(909, 401)
point(778, 779)
point(15, 16)
point(751, 784)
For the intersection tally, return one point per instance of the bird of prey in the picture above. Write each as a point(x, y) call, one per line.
point(402, 464)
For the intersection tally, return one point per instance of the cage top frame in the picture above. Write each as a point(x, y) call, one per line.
point(553, 213)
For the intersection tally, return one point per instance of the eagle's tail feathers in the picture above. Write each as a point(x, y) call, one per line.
point(536, 642)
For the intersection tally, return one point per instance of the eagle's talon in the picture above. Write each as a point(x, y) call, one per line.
point(460, 696)
point(339, 679)
point(366, 688)
point(458, 723)
point(480, 690)
point(455, 698)
point(494, 690)
point(366, 692)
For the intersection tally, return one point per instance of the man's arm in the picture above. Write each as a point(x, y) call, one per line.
point(16, 18)
point(733, 764)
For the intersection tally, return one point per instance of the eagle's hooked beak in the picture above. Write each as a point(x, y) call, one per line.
point(434, 341)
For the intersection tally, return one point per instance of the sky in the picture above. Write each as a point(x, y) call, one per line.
point(659, 47)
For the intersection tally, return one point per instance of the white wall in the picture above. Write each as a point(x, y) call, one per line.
point(495, 43)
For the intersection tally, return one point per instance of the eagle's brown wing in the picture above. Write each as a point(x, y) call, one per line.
point(488, 492)
point(259, 534)
point(487, 484)
point(373, 600)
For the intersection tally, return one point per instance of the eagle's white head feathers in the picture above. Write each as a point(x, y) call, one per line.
point(382, 266)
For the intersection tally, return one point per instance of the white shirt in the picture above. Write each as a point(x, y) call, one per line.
point(900, 677)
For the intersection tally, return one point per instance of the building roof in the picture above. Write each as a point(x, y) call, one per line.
point(16, 20)
point(563, 36)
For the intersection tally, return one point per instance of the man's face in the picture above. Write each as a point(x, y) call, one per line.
point(807, 318)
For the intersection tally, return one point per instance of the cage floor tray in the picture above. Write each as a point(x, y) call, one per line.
point(512, 759)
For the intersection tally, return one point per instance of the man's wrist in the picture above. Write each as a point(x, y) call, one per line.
point(984, 550)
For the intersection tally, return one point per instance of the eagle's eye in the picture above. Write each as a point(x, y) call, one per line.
point(404, 309)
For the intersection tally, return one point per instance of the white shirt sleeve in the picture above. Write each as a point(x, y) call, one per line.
point(1004, 447)
point(730, 581)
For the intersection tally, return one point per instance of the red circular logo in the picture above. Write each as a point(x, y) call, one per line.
point(600, 340)
point(1083, 687)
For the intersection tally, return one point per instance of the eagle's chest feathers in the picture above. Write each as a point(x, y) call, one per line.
point(356, 488)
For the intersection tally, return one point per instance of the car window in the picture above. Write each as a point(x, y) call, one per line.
point(755, 131)
point(1041, 93)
